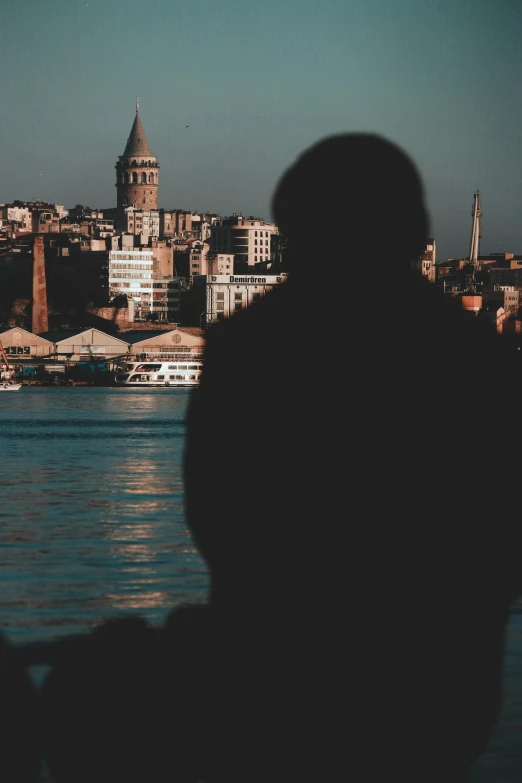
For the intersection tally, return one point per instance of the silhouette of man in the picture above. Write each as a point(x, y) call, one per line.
point(350, 478)
point(350, 482)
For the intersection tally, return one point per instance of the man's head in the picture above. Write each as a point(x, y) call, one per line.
point(357, 190)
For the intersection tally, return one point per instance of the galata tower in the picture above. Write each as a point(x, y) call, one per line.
point(137, 171)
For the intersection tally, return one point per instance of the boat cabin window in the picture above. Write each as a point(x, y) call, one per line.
point(149, 367)
point(160, 377)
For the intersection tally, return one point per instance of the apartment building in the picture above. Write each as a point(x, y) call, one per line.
point(17, 214)
point(247, 239)
point(131, 273)
point(141, 222)
point(174, 222)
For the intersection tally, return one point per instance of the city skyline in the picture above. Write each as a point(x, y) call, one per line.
point(229, 95)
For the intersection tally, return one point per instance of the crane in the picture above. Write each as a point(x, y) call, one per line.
point(7, 373)
point(476, 214)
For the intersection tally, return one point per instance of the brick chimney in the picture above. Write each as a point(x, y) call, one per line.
point(39, 321)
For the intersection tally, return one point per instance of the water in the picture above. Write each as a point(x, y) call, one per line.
point(92, 521)
point(92, 527)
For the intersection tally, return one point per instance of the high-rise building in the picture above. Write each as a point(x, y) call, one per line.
point(137, 171)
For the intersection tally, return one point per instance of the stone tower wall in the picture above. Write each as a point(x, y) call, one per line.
point(142, 195)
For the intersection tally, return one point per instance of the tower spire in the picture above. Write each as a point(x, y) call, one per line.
point(137, 172)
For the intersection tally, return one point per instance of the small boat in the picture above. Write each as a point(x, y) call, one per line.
point(174, 373)
point(6, 375)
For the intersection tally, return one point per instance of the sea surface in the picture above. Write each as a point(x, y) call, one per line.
point(92, 522)
point(92, 527)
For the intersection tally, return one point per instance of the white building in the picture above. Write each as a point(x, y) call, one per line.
point(226, 294)
point(247, 239)
point(130, 273)
point(15, 214)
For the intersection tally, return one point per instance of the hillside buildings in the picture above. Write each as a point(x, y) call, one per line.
point(168, 265)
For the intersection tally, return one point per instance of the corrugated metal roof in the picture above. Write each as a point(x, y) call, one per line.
point(57, 335)
point(4, 329)
point(136, 335)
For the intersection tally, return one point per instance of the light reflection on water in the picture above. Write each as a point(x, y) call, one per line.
point(92, 521)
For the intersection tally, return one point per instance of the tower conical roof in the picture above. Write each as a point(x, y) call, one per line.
point(137, 143)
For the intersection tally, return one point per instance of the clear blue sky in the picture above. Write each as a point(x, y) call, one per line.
point(257, 83)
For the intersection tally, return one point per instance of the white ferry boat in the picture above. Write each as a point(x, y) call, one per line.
point(172, 373)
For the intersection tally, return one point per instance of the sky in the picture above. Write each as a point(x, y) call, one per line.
point(257, 83)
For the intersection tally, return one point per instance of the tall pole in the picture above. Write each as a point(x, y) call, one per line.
point(475, 231)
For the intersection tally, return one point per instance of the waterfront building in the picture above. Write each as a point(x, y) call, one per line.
point(85, 344)
point(20, 344)
point(220, 296)
point(162, 345)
